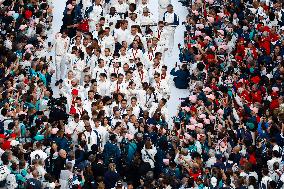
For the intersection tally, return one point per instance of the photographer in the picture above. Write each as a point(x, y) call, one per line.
point(181, 76)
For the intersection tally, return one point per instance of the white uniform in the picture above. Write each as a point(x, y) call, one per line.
point(109, 43)
point(145, 100)
point(164, 111)
point(135, 53)
point(116, 87)
point(95, 16)
point(98, 70)
point(91, 139)
point(147, 20)
point(121, 35)
point(86, 4)
point(111, 20)
point(148, 59)
point(75, 129)
point(77, 66)
point(61, 47)
point(90, 60)
point(121, 8)
point(103, 88)
point(136, 22)
point(104, 135)
point(87, 105)
point(172, 20)
point(162, 89)
point(141, 77)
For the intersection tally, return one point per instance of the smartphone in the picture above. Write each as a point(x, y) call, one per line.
point(49, 44)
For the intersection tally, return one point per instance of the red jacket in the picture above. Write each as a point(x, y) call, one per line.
point(265, 43)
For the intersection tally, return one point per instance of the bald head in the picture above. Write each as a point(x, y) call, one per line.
point(62, 153)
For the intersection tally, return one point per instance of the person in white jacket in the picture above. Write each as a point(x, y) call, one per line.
point(164, 112)
point(171, 21)
point(148, 153)
point(61, 46)
point(163, 8)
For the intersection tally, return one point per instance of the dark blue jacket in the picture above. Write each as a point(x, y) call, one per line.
point(181, 78)
point(111, 151)
point(110, 179)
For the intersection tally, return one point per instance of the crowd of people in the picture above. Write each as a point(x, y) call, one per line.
point(89, 109)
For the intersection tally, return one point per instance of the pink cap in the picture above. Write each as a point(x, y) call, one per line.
point(195, 12)
point(211, 97)
point(193, 120)
point(22, 27)
point(211, 19)
point(54, 131)
point(190, 127)
point(212, 118)
point(221, 32)
point(28, 46)
point(275, 89)
point(192, 98)
point(202, 116)
point(212, 48)
point(206, 121)
point(199, 125)
point(129, 136)
point(210, 2)
point(187, 109)
point(254, 109)
point(200, 26)
point(220, 112)
point(68, 131)
point(207, 89)
point(221, 14)
point(200, 135)
point(208, 38)
point(198, 33)
point(187, 136)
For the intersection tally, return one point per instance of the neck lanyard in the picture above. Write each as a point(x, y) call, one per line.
point(150, 55)
point(117, 87)
point(88, 59)
point(134, 54)
point(75, 62)
point(159, 34)
point(141, 74)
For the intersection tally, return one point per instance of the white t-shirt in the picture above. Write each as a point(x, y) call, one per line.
point(121, 35)
point(38, 154)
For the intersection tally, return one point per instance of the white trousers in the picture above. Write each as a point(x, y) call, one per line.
point(59, 67)
point(171, 35)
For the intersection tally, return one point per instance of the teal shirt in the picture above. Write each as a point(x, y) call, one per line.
point(42, 77)
point(33, 73)
point(23, 129)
